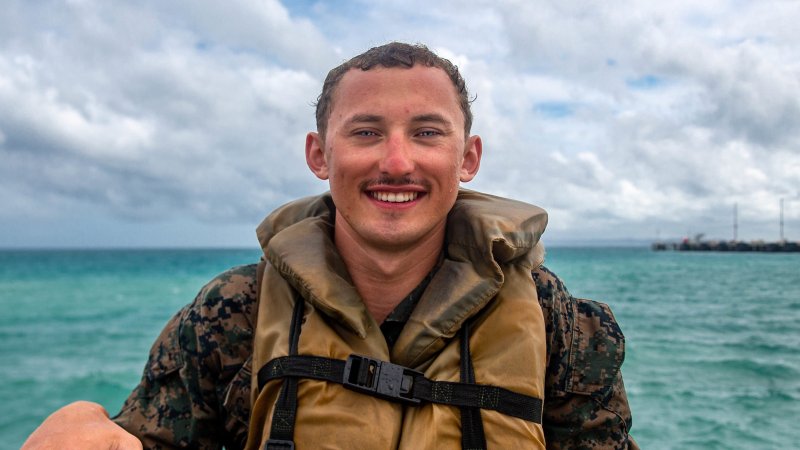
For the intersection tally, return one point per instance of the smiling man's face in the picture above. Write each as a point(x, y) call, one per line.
point(394, 153)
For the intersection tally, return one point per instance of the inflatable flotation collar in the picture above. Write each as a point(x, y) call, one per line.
point(479, 389)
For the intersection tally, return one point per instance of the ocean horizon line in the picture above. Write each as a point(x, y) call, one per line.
point(584, 243)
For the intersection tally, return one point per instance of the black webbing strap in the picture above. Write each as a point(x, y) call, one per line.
point(472, 435)
point(281, 435)
point(401, 384)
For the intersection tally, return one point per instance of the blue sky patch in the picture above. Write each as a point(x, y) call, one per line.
point(554, 110)
point(645, 82)
point(303, 8)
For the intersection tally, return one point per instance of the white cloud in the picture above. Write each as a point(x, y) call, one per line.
point(173, 129)
point(621, 118)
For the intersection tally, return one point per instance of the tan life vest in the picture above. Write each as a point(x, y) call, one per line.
point(492, 244)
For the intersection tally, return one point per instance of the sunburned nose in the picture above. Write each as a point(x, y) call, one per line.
point(397, 159)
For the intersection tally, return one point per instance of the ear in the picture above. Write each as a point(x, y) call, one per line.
point(315, 155)
point(472, 158)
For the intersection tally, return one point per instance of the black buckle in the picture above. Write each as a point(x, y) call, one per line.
point(278, 444)
point(380, 378)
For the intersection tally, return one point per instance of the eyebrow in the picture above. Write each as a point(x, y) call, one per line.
point(374, 118)
point(433, 117)
point(364, 118)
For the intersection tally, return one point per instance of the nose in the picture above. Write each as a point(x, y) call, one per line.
point(397, 158)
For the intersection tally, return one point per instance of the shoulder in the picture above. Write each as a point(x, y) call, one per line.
point(195, 386)
point(586, 346)
point(236, 283)
point(230, 293)
point(219, 319)
point(228, 303)
point(549, 287)
point(217, 327)
point(585, 401)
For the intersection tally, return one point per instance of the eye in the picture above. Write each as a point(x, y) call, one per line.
point(428, 133)
point(365, 133)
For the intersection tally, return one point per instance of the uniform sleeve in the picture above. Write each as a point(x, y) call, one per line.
point(585, 402)
point(195, 389)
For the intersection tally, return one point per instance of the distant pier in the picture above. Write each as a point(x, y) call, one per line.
point(688, 245)
point(699, 244)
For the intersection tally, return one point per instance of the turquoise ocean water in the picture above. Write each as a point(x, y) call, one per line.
point(713, 339)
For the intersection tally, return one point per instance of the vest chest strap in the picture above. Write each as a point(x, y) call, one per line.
point(400, 384)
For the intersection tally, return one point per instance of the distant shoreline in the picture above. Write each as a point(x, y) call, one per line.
point(728, 246)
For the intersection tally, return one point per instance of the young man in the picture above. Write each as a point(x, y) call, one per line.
point(397, 311)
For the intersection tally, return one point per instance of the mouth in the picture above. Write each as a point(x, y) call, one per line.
point(394, 197)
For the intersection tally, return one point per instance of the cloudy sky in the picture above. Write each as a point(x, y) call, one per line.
point(182, 123)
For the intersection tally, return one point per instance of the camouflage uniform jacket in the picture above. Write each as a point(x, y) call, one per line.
point(195, 391)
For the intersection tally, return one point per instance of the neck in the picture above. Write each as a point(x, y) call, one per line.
point(385, 276)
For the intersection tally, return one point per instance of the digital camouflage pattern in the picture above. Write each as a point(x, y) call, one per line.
point(585, 402)
point(195, 391)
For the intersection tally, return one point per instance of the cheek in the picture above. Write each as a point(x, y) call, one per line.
point(455, 171)
point(442, 161)
point(341, 176)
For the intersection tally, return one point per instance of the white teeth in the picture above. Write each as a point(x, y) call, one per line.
point(395, 197)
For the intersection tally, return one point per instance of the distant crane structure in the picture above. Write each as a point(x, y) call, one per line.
point(698, 243)
point(782, 239)
point(736, 222)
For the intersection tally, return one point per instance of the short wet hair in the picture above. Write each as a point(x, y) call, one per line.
point(393, 54)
